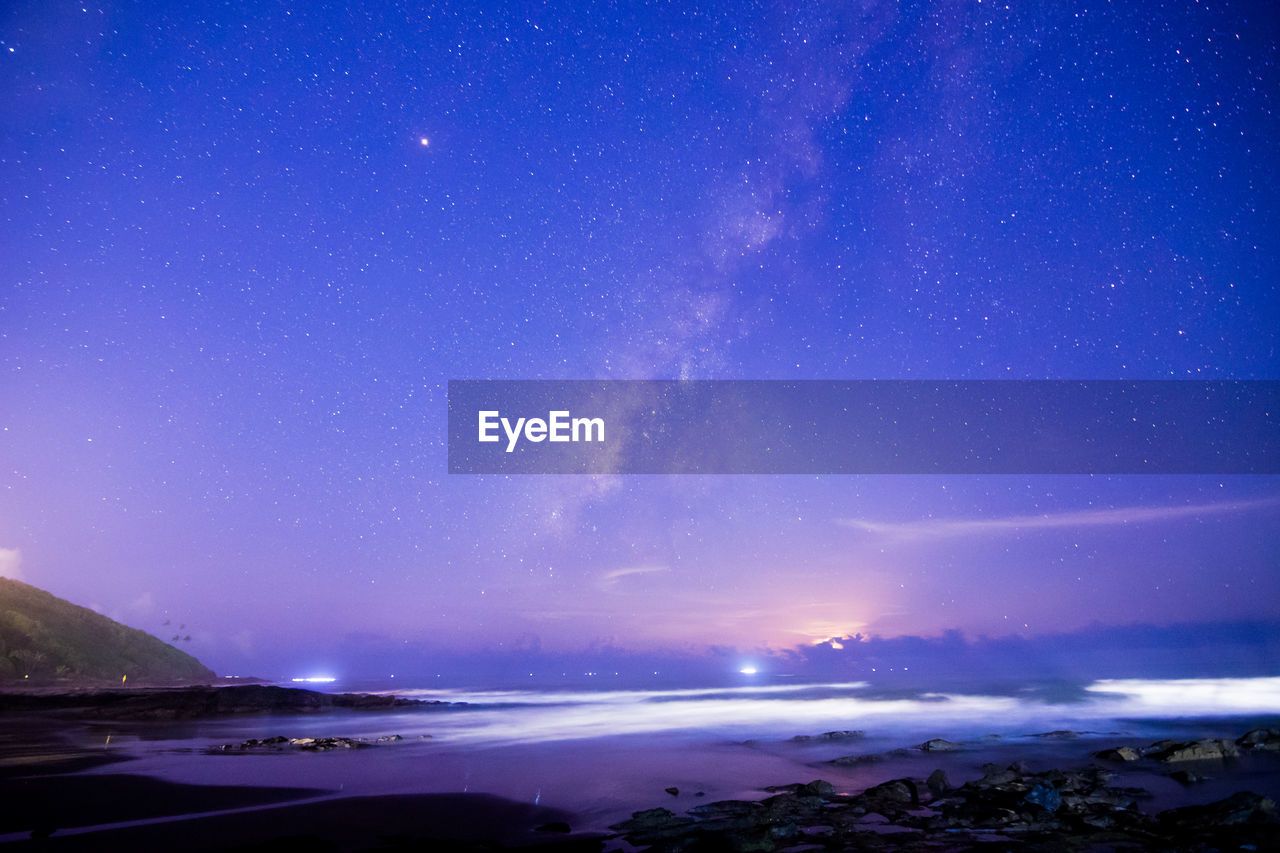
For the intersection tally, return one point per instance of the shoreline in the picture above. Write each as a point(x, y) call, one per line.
point(1052, 787)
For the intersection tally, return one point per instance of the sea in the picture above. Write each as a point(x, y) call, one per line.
point(602, 752)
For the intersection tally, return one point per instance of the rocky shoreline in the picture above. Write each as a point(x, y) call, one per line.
point(1056, 791)
point(196, 702)
point(1010, 807)
point(283, 744)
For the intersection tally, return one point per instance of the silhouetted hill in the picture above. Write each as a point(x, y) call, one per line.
point(44, 639)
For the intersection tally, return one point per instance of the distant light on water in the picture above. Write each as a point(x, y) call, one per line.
point(748, 670)
point(315, 679)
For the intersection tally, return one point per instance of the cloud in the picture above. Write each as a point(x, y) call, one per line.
point(11, 563)
point(941, 528)
point(609, 579)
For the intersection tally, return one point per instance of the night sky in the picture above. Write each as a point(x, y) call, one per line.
point(246, 245)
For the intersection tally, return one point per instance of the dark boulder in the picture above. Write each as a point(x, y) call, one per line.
point(1263, 739)
point(1044, 796)
point(895, 792)
point(1186, 777)
point(1209, 749)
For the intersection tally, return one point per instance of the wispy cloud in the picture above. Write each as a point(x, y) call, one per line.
point(609, 579)
point(939, 528)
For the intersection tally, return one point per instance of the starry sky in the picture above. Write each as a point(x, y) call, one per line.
point(246, 245)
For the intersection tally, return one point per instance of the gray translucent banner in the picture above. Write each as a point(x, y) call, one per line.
point(863, 427)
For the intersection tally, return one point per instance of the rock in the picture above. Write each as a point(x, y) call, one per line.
point(1265, 739)
point(324, 744)
point(816, 788)
point(994, 776)
point(725, 809)
point(1201, 750)
point(849, 734)
point(900, 792)
point(1119, 753)
point(555, 826)
point(1106, 798)
point(673, 791)
point(1044, 796)
point(1009, 808)
point(1078, 781)
point(1186, 777)
point(1245, 807)
point(651, 825)
point(856, 760)
point(268, 744)
point(938, 745)
point(1098, 820)
point(254, 744)
point(281, 743)
point(1059, 734)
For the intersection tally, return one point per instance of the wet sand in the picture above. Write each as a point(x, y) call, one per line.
point(51, 803)
point(405, 822)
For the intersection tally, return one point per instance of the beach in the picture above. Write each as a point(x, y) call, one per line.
point(516, 768)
